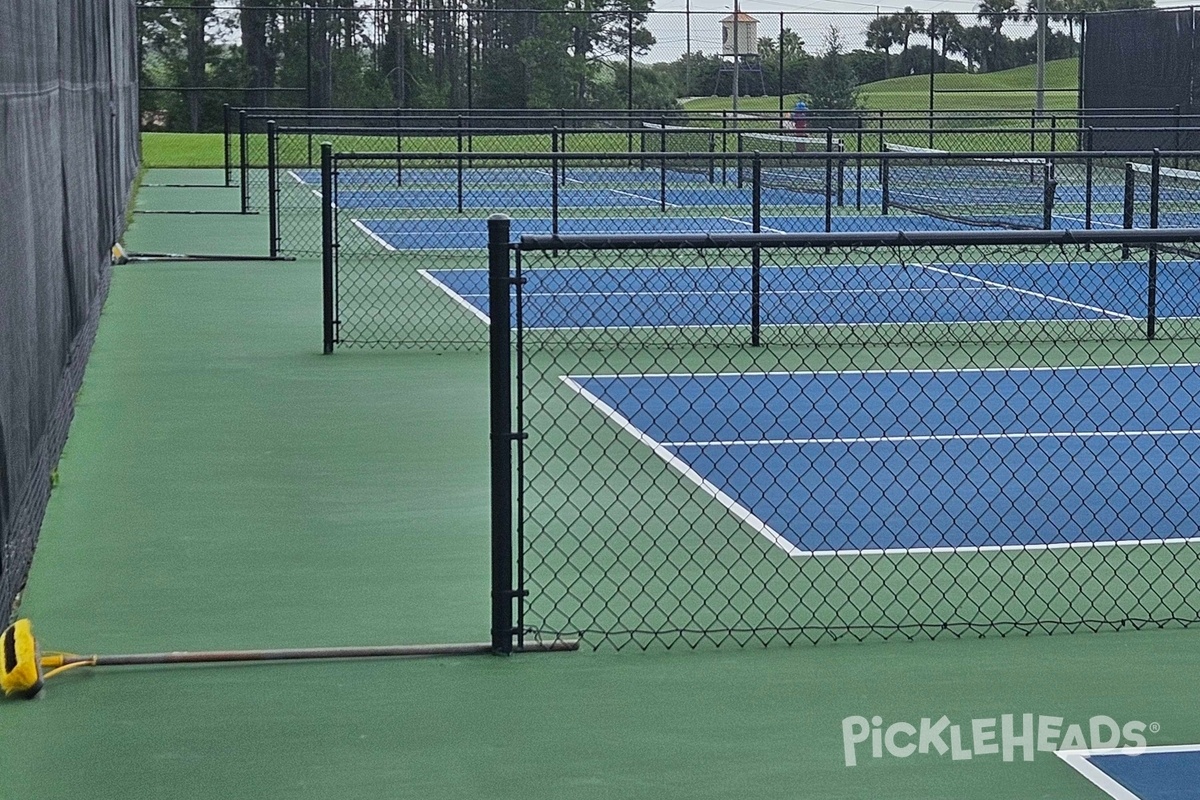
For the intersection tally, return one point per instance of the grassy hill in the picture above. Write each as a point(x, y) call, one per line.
point(912, 91)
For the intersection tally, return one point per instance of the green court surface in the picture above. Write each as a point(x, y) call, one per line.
point(225, 485)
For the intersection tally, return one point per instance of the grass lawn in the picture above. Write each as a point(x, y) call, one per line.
point(911, 93)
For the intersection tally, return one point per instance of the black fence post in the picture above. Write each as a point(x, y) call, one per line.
point(1089, 181)
point(458, 172)
point(328, 237)
point(227, 131)
point(500, 368)
point(555, 166)
point(858, 168)
point(662, 167)
point(1127, 206)
point(829, 186)
point(1049, 185)
point(243, 167)
point(273, 187)
point(399, 148)
point(756, 254)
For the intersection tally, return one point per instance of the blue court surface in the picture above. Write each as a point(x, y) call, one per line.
point(573, 195)
point(879, 462)
point(580, 297)
point(482, 175)
point(1155, 773)
point(463, 233)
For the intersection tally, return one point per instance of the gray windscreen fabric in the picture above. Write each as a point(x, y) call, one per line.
point(1141, 60)
point(68, 159)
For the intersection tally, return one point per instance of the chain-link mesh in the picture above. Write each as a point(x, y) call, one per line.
point(781, 440)
point(405, 222)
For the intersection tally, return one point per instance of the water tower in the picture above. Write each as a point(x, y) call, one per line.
point(739, 53)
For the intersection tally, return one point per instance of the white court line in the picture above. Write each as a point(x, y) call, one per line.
point(742, 292)
point(1039, 295)
point(740, 512)
point(940, 437)
point(300, 180)
point(1079, 761)
point(898, 371)
point(748, 518)
point(456, 297)
point(750, 224)
point(370, 233)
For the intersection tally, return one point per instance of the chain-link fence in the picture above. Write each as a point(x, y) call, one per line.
point(399, 226)
point(736, 439)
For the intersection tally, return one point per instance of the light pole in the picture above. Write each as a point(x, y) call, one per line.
point(1040, 102)
point(737, 61)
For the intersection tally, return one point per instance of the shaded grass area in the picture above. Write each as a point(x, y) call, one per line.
point(226, 486)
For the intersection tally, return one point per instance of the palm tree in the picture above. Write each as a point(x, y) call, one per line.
point(945, 26)
point(910, 22)
point(883, 33)
point(974, 43)
point(995, 13)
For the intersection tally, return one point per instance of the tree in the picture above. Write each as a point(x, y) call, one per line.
point(832, 84)
point(793, 45)
point(884, 33)
point(909, 23)
point(994, 13)
point(946, 27)
point(975, 42)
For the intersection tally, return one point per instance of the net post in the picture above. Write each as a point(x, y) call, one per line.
point(1127, 206)
point(1152, 250)
point(502, 436)
point(228, 154)
point(327, 247)
point(756, 253)
point(243, 167)
point(1033, 130)
point(273, 187)
point(1053, 133)
point(1089, 181)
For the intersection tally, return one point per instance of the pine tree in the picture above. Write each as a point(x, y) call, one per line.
point(833, 83)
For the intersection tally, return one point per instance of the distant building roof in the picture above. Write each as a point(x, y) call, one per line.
point(742, 16)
